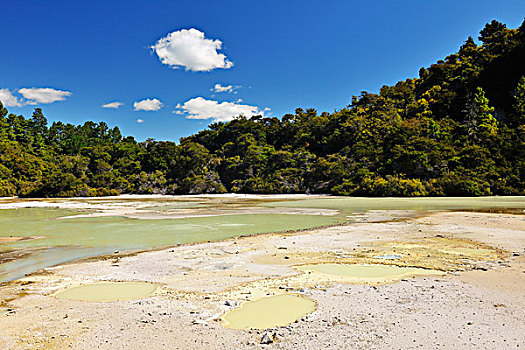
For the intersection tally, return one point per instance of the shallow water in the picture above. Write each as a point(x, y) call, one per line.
point(361, 204)
point(120, 232)
point(269, 312)
point(46, 257)
point(74, 238)
point(361, 273)
point(388, 256)
point(108, 291)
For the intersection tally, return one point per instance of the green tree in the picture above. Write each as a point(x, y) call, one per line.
point(481, 124)
point(38, 128)
point(468, 49)
point(494, 37)
point(493, 32)
point(519, 103)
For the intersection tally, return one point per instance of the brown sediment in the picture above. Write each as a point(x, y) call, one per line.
point(512, 211)
point(12, 291)
point(21, 253)
point(17, 239)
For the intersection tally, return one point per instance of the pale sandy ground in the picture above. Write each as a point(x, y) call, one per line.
point(479, 304)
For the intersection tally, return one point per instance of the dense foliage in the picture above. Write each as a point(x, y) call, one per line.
point(458, 129)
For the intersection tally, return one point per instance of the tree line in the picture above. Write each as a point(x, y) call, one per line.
point(456, 130)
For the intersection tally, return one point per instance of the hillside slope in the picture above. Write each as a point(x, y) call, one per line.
point(457, 129)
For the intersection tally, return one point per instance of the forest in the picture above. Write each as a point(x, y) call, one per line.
point(456, 130)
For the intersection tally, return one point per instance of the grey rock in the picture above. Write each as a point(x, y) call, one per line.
point(266, 339)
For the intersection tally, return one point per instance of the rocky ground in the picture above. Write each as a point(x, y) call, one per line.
point(478, 304)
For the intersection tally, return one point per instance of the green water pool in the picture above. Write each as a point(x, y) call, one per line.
point(68, 239)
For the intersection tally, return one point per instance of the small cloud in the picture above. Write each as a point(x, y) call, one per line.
point(8, 99)
point(228, 88)
point(140, 121)
point(241, 100)
point(147, 105)
point(114, 105)
point(43, 95)
point(190, 49)
point(200, 108)
point(220, 88)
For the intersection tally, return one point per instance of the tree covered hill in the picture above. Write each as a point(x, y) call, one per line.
point(457, 129)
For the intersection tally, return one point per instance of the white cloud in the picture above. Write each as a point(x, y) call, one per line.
point(8, 99)
point(190, 49)
point(200, 108)
point(114, 105)
point(228, 88)
point(220, 88)
point(43, 95)
point(148, 105)
point(140, 121)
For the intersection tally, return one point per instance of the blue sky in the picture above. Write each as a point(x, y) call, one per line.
point(275, 55)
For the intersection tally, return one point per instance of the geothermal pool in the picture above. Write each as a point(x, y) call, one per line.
point(62, 240)
point(269, 312)
point(108, 291)
point(36, 234)
point(364, 273)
